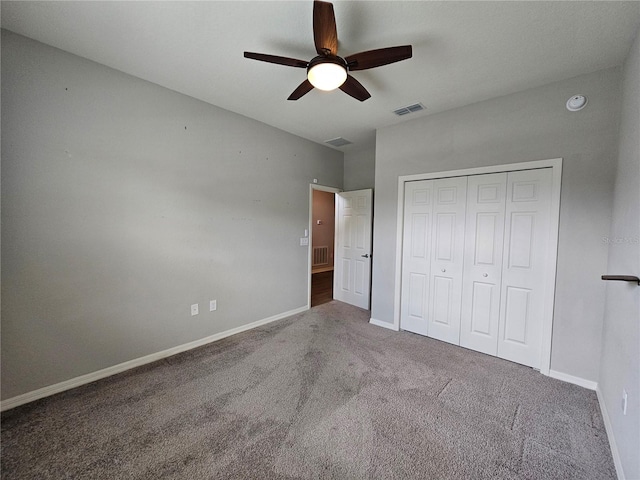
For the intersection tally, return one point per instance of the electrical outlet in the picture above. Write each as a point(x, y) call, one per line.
point(194, 309)
point(213, 305)
point(624, 402)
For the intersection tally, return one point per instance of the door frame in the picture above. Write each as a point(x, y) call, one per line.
point(323, 188)
point(556, 165)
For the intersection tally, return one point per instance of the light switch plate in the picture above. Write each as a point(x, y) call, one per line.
point(213, 305)
point(304, 241)
point(194, 309)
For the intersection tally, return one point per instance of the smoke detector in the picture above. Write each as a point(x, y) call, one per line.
point(577, 102)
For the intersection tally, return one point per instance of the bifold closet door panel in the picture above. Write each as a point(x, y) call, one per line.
point(527, 218)
point(445, 289)
point(484, 240)
point(416, 256)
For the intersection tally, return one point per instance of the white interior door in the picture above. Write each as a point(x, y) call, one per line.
point(447, 244)
point(526, 242)
point(484, 240)
point(416, 256)
point(352, 271)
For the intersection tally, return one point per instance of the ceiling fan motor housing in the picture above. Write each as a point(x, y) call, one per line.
point(327, 59)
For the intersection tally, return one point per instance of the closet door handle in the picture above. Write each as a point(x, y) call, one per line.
point(443, 270)
point(366, 255)
point(485, 274)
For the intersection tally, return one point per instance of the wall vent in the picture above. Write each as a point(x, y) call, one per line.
point(338, 142)
point(320, 256)
point(416, 107)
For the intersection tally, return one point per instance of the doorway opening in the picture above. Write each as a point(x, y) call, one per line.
point(322, 245)
point(348, 253)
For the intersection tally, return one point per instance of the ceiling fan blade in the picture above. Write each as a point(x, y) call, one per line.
point(354, 88)
point(289, 62)
point(379, 57)
point(304, 88)
point(325, 34)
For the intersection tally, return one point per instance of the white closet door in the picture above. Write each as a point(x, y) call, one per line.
point(524, 264)
point(484, 238)
point(445, 289)
point(416, 256)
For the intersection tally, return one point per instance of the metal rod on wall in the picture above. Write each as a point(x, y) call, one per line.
point(622, 278)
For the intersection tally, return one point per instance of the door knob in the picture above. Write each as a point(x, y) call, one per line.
point(443, 270)
point(366, 255)
point(485, 274)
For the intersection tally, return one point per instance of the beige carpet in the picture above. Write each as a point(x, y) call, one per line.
point(322, 394)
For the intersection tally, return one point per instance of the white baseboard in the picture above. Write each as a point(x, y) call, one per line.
point(321, 269)
point(380, 323)
point(605, 414)
point(612, 440)
point(136, 362)
point(565, 377)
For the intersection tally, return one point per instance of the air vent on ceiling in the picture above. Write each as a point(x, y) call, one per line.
point(338, 142)
point(416, 107)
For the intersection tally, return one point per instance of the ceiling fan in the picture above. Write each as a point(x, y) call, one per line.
point(328, 71)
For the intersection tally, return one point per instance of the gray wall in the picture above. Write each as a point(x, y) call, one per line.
point(620, 364)
point(359, 168)
point(531, 125)
point(123, 203)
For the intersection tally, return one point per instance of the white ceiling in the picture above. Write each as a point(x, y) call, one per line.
point(463, 52)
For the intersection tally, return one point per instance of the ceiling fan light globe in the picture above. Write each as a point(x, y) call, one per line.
point(327, 76)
